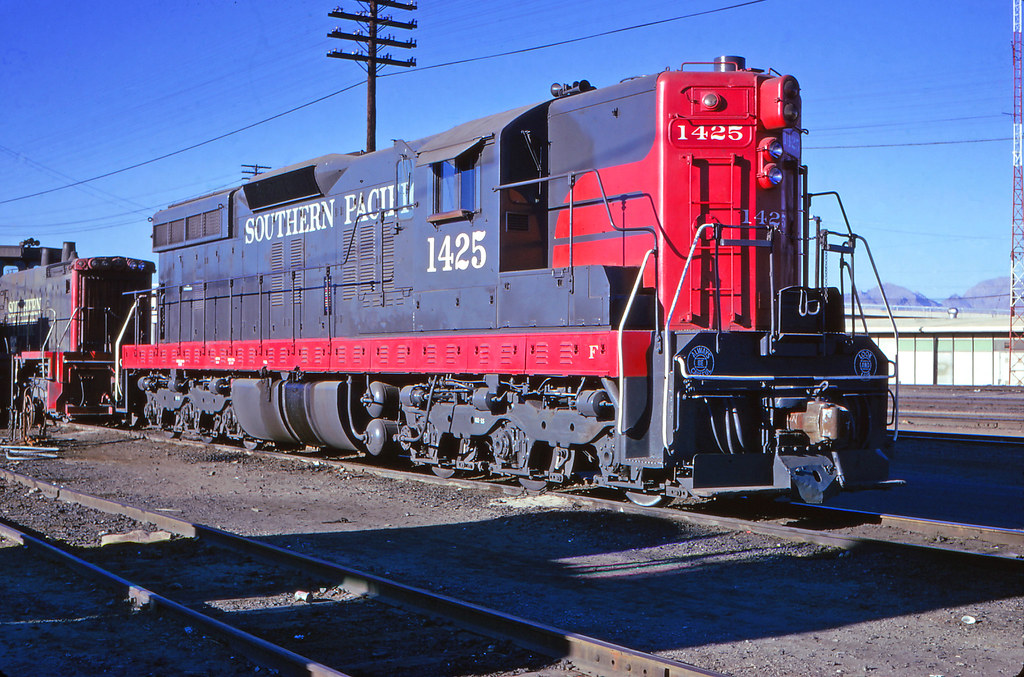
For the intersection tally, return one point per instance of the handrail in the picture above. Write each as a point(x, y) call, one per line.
point(622, 326)
point(46, 342)
point(572, 176)
point(896, 336)
point(53, 326)
point(117, 349)
point(769, 378)
point(68, 326)
point(853, 238)
point(600, 184)
point(666, 341)
point(892, 320)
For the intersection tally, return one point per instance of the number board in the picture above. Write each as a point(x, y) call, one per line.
point(459, 252)
point(685, 134)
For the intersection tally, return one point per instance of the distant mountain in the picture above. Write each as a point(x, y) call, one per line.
point(991, 294)
point(898, 296)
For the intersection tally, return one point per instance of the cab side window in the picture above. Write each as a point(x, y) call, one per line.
point(457, 184)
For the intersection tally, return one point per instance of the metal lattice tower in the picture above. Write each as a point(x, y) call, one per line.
point(1017, 243)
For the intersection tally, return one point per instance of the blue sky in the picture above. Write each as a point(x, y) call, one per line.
point(902, 100)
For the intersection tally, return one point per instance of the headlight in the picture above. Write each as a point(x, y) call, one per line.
point(772, 148)
point(770, 177)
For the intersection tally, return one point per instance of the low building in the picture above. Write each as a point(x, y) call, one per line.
point(943, 346)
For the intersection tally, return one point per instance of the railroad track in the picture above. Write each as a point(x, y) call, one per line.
point(586, 654)
point(820, 525)
point(986, 410)
point(966, 437)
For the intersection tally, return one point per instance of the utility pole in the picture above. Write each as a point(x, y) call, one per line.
point(1017, 242)
point(369, 20)
point(251, 171)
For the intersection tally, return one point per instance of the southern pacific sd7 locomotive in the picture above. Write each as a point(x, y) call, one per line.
point(610, 286)
point(60, 319)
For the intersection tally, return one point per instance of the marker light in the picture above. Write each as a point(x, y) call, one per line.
point(790, 92)
point(779, 104)
point(770, 177)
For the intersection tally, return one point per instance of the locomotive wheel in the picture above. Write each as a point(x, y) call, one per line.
point(182, 419)
point(442, 472)
point(646, 500)
point(250, 443)
point(209, 427)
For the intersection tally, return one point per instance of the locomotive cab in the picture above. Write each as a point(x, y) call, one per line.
point(60, 316)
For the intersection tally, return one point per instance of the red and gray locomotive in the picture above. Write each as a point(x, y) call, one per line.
point(608, 287)
point(61, 317)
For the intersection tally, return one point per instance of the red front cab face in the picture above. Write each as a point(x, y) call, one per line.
point(729, 157)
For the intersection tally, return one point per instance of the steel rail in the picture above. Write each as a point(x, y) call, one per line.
point(929, 527)
point(823, 538)
point(585, 653)
point(993, 438)
point(259, 650)
point(800, 534)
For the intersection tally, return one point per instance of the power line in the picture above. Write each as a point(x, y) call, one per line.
point(900, 145)
point(182, 150)
point(907, 123)
point(585, 37)
point(352, 86)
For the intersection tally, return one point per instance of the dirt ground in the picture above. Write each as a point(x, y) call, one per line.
point(738, 603)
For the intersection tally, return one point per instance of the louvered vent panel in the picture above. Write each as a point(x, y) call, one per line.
point(297, 260)
point(507, 355)
point(541, 353)
point(172, 232)
point(276, 277)
point(177, 231)
point(515, 221)
point(349, 272)
point(161, 234)
point(211, 223)
point(194, 227)
point(388, 252)
point(369, 287)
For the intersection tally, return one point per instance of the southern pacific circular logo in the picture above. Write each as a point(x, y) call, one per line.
point(864, 363)
point(700, 361)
